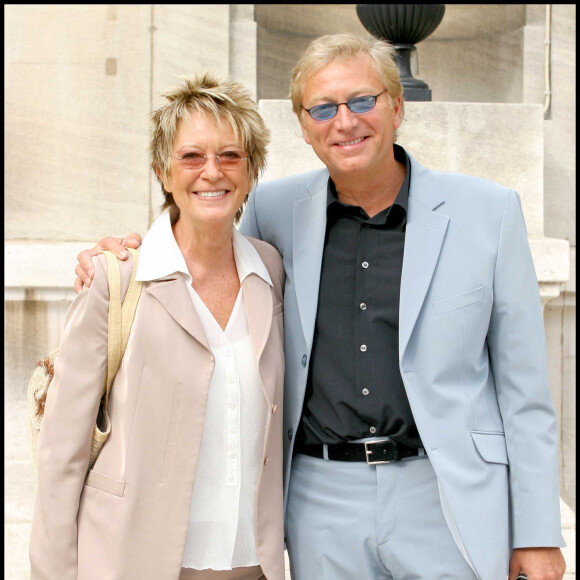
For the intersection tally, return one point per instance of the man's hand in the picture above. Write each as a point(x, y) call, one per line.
point(84, 269)
point(537, 563)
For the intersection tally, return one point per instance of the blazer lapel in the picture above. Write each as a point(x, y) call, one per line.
point(309, 226)
point(172, 293)
point(423, 242)
point(258, 300)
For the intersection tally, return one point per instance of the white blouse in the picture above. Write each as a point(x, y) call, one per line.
point(221, 522)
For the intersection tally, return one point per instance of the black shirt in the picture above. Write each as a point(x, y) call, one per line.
point(354, 387)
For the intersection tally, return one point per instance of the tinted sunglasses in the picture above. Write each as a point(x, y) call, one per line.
point(327, 111)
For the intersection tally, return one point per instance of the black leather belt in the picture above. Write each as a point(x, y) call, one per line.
point(373, 452)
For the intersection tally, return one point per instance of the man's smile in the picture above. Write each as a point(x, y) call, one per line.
point(350, 143)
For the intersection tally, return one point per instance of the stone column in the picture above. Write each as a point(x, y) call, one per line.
point(243, 65)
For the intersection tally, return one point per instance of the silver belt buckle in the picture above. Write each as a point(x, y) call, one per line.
point(368, 452)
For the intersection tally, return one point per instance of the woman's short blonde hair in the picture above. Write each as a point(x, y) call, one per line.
point(325, 49)
point(225, 100)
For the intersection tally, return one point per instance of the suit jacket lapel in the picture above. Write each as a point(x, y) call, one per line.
point(423, 242)
point(259, 306)
point(172, 293)
point(309, 227)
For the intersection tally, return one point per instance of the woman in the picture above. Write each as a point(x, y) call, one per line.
point(189, 483)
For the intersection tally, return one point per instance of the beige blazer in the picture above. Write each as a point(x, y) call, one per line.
point(129, 517)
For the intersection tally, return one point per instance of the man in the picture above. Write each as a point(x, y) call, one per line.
point(420, 436)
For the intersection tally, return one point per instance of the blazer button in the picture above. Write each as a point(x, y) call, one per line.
point(290, 433)
point(266, 461)
point(274, 407)
point(304, 360)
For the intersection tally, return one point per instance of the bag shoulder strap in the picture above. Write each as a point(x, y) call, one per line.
point(121, 314)
point(131, 300)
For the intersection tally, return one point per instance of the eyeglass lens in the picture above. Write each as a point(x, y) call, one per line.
point(227, 160)
point(356, 105)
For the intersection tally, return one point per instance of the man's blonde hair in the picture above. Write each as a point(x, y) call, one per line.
point(330, 47)
point(224, 100)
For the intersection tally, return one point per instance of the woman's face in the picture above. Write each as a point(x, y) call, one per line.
point(212, 194)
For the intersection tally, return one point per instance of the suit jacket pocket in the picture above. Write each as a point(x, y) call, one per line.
point(491, 446)
point(154, 424)
point(105, 483)
point(459, 301)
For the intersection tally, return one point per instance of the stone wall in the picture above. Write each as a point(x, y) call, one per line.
point(81, 80)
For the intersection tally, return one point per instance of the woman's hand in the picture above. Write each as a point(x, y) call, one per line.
point(85, 270)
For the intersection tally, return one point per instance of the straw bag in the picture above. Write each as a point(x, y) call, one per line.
point(121, 314)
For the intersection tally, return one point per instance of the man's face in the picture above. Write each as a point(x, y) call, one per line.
point(350, 143)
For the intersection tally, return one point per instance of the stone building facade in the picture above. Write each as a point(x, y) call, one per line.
point(81, 80)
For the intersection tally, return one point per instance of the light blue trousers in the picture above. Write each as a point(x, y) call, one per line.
point(353, 521)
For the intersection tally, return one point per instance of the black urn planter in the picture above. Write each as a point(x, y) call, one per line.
point(403, 25)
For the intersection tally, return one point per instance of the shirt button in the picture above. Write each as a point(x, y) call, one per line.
point(373, 430)
point(232, 454)
point(231, 380)
point(230, 478)
point(365, 265)
point(365, 392)
point(363, 347)
point(304, 360)
point(233, 429)
point(228, 353)
point(363, 306)
point(233, 405)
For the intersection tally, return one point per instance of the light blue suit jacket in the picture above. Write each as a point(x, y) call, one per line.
point(472, 349)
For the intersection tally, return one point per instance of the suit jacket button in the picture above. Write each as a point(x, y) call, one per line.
point(266, 461)
point(274, 407)
point(290, 433)
point(304, 360)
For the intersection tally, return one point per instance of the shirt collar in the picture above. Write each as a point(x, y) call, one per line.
point(402, 198)
point(248, 260)
point(160, 256)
